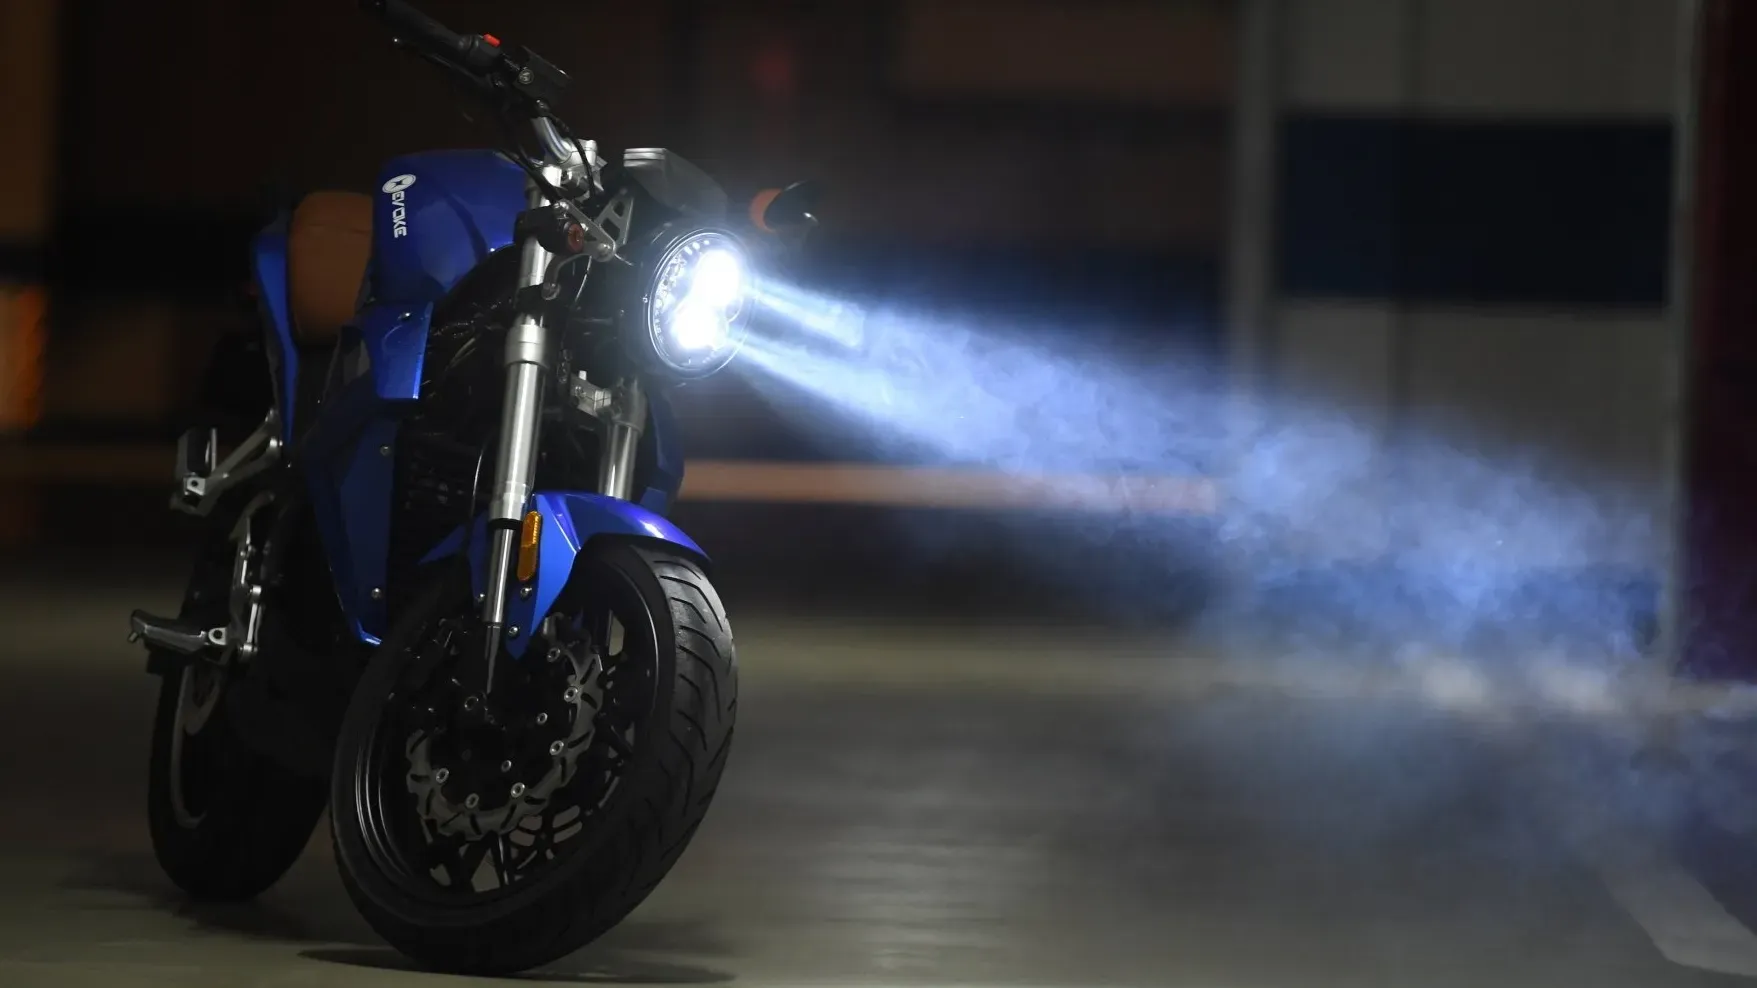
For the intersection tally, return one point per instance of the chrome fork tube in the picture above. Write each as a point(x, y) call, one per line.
point(515, 463)
point(622, 440)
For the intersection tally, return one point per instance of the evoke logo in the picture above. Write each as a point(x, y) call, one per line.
point(397, 189)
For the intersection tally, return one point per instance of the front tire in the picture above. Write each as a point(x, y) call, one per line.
point(226, 821)
point(648, 768)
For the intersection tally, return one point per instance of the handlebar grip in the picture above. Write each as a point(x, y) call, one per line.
point(428, 35)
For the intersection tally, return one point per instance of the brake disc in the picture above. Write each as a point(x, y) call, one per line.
point(536, 756)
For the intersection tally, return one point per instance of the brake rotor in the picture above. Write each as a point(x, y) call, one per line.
point(483, 774)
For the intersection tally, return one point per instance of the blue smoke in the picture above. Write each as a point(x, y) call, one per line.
point(1333, 530)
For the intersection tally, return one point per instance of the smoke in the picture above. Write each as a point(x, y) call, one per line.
point(1439, 573)
point(966, 398)
point(1336, 531)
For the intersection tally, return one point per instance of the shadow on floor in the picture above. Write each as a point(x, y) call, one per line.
point(591, 967)
point(298, 910)
point(305, 910)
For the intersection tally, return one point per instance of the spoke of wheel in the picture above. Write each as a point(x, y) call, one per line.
point(498, 848)
point(541, 842)
point(614, 740)
point(430, 838)
point(468, 861)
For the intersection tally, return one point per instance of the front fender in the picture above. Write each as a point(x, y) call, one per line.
point(571, 520)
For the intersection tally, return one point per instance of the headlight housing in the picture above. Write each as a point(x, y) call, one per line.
point(694, 313)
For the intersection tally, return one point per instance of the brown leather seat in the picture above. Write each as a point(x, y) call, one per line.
point(328, 245)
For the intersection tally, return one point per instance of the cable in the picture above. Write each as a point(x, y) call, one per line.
point(585, 157)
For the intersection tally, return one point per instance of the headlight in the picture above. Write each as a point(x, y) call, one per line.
point(697, 304)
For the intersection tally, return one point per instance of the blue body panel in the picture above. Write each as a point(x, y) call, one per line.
point(395, 341)
point(571, 520)
point(436, 217)
point(348, 458)
point(459, 208)
point(427, 234)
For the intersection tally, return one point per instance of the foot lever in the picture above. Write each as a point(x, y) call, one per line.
point(182, 637)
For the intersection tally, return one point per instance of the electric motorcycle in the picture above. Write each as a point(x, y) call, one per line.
point(437, 593)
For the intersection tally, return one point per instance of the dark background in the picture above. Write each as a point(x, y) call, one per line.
point(184, 122)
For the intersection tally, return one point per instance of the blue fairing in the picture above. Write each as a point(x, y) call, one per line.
point(348, 453)
point(395, 342)
point(430, 232)
point(427, 234)
point(444, 213)
point(571, 520)
point(268, 263)
point(349, 466)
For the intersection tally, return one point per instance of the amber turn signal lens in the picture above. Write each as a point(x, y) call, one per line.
point(759, 208)
point(529, 534)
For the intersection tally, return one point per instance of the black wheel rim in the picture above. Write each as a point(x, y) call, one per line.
point(196, 759)
point(466, 872)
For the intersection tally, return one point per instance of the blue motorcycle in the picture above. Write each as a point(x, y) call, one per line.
point(437, 593)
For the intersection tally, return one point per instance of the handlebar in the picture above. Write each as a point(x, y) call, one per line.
point(475, 52)
point(521, 74)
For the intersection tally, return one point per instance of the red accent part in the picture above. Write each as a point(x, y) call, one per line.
point(576, 237)
point(759, 209)
point(493, 42)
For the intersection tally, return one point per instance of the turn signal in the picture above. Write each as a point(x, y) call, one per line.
point(528, 536)
point(759, 209)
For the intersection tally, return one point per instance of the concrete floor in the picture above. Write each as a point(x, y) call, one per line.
point(922, 804)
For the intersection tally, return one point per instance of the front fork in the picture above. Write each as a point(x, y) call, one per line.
point(515, 463)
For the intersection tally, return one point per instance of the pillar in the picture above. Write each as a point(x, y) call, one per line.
point(1717, 619)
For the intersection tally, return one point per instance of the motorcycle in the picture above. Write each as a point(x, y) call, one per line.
point(437, 594)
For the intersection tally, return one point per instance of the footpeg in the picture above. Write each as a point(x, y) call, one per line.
point(182, 637)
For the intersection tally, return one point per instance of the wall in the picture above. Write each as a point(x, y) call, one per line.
point(979, 121)
point(216, 105)
point(1470, 261)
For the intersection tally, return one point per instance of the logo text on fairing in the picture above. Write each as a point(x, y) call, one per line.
point(397, 189)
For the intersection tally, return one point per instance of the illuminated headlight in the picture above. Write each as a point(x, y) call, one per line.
point(697, 307)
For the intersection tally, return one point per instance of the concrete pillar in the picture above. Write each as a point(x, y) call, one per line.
point(1340, 338)
point(1717, 601)
point(1250, 267)
point(1250, 248)
point(1669, 645)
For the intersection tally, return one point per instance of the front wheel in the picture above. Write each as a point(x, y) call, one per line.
point(495, 837)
